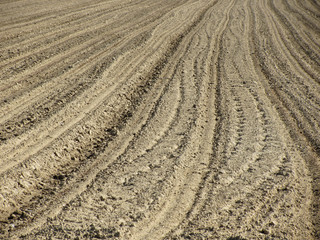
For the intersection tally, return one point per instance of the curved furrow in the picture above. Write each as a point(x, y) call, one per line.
point(242, 170)
point(40, 74)
point(280, 82)
point(300, 62)
point(306, 84)
point(41, 14)
point(312, 39)
point(83, 154)
point(72, 66)
point(70, 94)
point(156, 131)
point(311, 30)
point(169, 154)
point(155, 140)
point(142, 119)
point(162, 163)
point(313, 101)
point(81, 36)
point(309, 54)
point(280, 179)
point(53, 48)
point(301, 17)
point(109, 85)
point(44, 76)
point(56, 22)
point(31, 115)
point(288, 116)
point(203, 157)
point(82, 70)
point(219, 116)
point(66, 192)
point(73, 109)
point(59, 31)
point(314, 3)
point(307, 9)
point(108, 175)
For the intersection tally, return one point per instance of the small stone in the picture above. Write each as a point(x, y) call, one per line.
point(264, 231)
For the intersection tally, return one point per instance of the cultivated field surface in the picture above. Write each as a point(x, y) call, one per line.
point(160, 119)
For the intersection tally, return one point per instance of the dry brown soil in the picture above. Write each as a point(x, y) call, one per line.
point(167, 119)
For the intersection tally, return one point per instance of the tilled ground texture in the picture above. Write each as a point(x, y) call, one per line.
point(171, 119)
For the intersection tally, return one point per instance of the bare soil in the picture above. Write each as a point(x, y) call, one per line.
point(171, 119)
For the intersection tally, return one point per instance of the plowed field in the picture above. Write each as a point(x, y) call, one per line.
point(167, 119)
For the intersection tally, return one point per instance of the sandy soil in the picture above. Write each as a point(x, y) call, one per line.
point(171, 119)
